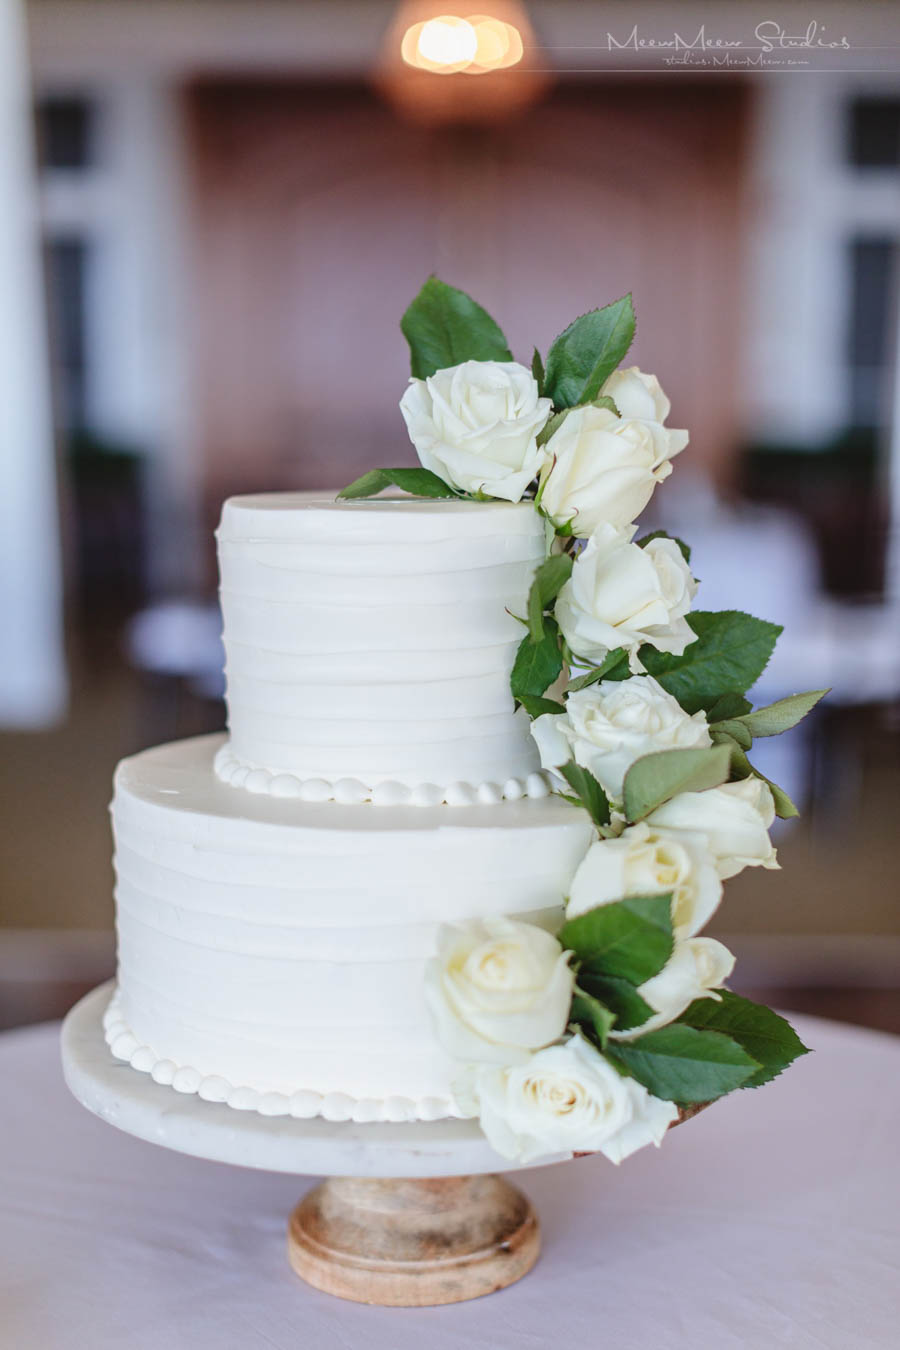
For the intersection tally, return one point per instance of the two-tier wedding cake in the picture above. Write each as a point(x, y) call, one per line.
point(485, 773)
point(279, 891)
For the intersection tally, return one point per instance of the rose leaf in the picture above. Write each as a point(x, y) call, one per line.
point(445, 327)
point(417, 482)
point(730, 653)
point(759, 1031)
point(584, 356)
point(682, 1064)
point(654, 779)
point(629, 939)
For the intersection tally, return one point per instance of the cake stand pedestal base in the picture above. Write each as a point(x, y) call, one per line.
point(413, 1243)
point(412, 1213)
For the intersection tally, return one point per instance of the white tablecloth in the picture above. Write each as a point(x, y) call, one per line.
point(773, 1219)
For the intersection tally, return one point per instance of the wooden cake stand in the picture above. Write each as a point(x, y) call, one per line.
point(410, 1215)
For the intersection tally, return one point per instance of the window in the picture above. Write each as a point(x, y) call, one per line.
point(874, 133)
point(870, 345)
point(66, 267)
point(66, 133)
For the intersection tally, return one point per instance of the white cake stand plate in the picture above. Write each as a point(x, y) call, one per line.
point(412, 1214)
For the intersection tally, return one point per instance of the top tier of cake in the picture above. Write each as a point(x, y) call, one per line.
point(369, 646)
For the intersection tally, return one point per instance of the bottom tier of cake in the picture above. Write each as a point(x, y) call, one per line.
point(272, 952)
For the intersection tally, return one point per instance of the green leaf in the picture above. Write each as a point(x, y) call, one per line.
point(664, 534)
point(614, 666)
point(629, 939)
point(535, 613)
point(729, 705)
point(418, 482)
point(535, 706)
point(537, 664)
point(685, 1065)
point(653, 779)
point(590, 1014)
point(740, 764)
point(735, 729)
point(619, 996)
point(445, 327)
point(587, 353)
point(588, 790)
point(731, 652)
point(759, 1031)
point(783, 714)
point(549, 580)
point(537, 370)
point(784, 807)
point(742, 768)
point(567, 797)
point(551, 426)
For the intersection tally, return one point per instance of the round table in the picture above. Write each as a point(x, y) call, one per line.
point(773, 1219)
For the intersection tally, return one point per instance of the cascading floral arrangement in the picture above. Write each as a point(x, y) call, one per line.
point(601, 1035)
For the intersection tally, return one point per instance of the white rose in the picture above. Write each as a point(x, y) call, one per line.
point(622, 595)
point(603, 468)
point(645, 861)
point(638, 395)
point(609, 725)
point(697, 968)
point(567, 1099)
point(733, 821)
point(498, 989)
point(476, 425)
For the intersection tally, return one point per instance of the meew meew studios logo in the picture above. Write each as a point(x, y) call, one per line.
point(770, 45)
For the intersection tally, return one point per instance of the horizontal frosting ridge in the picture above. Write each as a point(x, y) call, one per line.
point(369, 647)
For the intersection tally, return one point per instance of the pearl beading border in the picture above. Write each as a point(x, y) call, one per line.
point(350, 791)
point(304, 1104)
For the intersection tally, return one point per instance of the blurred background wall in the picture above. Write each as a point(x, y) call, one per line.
point(233, 202)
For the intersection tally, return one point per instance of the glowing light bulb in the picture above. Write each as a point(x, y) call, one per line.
point(516, 49)
point(493, 40)
point(447, 41)
point(409, 47)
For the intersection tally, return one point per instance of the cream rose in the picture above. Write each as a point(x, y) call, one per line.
point(476, 425)
point(697, 968)
point(636, 394)
point(603, 468)
point(733, 821)
point(643, 861)
point(566, 1099)
point(498, 989)
point(622, 595)
point(609, 725)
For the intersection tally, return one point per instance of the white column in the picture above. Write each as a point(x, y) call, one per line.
point(151, 293)
point(32, 662)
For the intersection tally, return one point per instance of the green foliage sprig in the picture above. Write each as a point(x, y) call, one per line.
point(721, 1042)
point(716, 1045)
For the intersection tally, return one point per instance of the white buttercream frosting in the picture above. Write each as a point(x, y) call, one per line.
point(272, 951)
point(303, 1104)
point(350, 791)
point(369, 646)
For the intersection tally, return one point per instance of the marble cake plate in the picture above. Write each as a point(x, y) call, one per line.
point(411, 1215)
